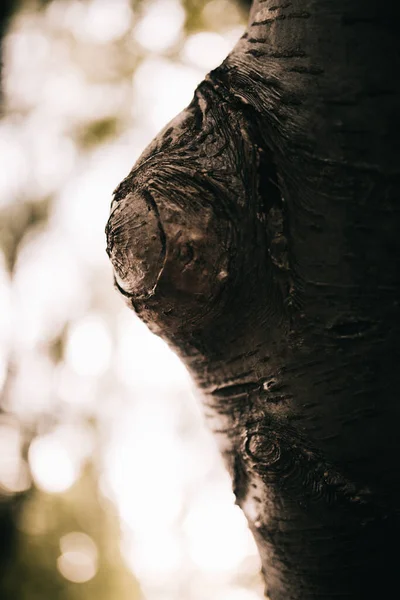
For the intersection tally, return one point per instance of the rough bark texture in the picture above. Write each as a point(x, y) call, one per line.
point(259, 235)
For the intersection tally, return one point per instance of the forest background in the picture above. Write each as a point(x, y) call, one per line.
point(110, 485)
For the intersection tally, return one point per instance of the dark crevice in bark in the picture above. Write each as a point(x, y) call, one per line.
point(231, 391)
point(351, 328)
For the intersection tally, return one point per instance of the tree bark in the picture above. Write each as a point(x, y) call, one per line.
point(259, 235)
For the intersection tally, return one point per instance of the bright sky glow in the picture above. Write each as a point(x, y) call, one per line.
point(162, 89)
point(83, 206)
point(206, 50)
point(51, 157)
point(143, 450)
point(161, 24)
point(78, 393)
point(143, 359)
point(103, 21)
point(26, 49)
point(97, 21)
point(237, 593)
point(233, 35)
point(156, 556)
point(224, 542)
point(47, 269)
point(89, 348)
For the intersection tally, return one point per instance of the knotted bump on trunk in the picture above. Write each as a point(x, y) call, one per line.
point(153, 243)
point(181, 219)
point(136, 245)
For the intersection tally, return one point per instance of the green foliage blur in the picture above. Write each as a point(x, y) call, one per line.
point(41, 520)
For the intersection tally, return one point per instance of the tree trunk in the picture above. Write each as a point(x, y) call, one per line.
point(259, 235)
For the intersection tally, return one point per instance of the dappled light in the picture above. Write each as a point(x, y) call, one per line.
point(114, 486)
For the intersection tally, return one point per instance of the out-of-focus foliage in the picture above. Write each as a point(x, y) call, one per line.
point(16, 220)
point(110, 486)
point(67, 547)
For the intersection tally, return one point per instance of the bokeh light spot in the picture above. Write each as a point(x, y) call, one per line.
point(160, 25)
point(52, 466)
point(77, 566)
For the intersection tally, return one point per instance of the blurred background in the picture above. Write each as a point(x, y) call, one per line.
point(110, 485)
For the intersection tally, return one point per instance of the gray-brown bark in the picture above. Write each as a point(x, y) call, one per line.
point(258, 234)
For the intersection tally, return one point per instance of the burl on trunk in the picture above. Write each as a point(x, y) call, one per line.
point(259, 234)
